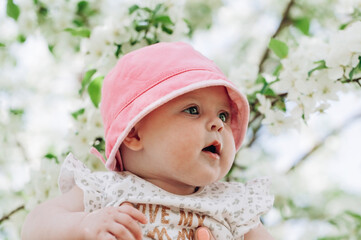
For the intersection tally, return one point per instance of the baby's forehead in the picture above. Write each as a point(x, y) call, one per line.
point(214, 93)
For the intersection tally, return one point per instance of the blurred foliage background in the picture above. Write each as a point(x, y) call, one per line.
point(298, 61)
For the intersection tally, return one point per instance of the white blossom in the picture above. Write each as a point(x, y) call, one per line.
point(311, 89)
point(265, 103)
point(344, 46)
point(347, 6)
point(44, 184)
point(276, 121)
point(86, 128)
point(27, 21)
point(244, 76)
point(100, 48)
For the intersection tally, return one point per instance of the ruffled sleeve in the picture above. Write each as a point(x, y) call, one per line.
point(73, 172)
point(256, 202)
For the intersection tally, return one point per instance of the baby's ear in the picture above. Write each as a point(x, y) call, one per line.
point(132, 141)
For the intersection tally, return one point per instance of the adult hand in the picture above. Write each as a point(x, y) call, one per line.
point(113, 223)
point(203, 233)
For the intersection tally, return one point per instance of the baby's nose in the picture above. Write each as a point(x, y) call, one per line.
point(215, 124)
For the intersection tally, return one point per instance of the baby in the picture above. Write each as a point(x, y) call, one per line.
point(173, 123)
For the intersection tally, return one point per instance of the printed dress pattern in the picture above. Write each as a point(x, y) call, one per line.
point(229, 210)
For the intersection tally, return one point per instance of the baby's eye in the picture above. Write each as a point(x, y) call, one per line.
point(224, 116)
point(191, 110)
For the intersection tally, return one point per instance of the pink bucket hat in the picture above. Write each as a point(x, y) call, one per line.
point(148, 77)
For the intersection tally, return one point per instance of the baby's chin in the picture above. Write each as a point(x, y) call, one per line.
point(212, 176)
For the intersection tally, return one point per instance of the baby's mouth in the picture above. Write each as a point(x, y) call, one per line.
point(214, 147)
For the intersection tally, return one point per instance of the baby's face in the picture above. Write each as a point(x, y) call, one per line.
point(188, 141)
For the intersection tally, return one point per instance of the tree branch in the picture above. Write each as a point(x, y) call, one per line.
point(284, 22)
point(254, 136)
point(7, 216)
point(22, 150)
point(356, 80)
point(322, 141)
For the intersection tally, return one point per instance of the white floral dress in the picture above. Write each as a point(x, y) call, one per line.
point(229, 210)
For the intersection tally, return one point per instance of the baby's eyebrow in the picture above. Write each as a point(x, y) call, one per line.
point(226, 105)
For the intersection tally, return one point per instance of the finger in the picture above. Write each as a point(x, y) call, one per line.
point(203, 233)
point(133, 212)
point(127, 204)
point(107, 236)
point(130, 225)
point(120, 232)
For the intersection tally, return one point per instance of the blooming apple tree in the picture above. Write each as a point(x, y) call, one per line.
point(291, 59)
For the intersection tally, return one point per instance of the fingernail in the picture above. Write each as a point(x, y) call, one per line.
point(145, 220)
point(203, 234)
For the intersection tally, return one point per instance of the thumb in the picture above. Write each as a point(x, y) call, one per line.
point(203, 233)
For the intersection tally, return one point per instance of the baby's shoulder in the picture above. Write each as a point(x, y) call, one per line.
point(256, 186)
point(75, 172)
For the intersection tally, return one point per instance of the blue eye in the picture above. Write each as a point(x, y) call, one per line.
point(223, 116)
point(191, 110)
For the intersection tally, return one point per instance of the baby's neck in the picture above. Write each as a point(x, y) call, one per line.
point(173, 187)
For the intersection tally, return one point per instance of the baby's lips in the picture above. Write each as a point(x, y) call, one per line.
point(214, 147)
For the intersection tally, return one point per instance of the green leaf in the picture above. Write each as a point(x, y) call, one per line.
point(167, 29)
point(82, 7)
point(279, 48)
point(80, 32)
point(280, 105)
point(94, 90)
point(277, 70)
point(303, 24)
point(86, 79)
point(2, 44)
point(343, 26)
point(157, 8)
point(266, 90)
point(99, 144)
point(52, 156)
point(321, 65)
point(21, 38)
point(356, 69)
point(151, 41)
point(51, 48)
point(343, 237)
point(190, 27)
point(79, 22)
point(134, 41)
point(252, 98)
point(269, 92)
point(356, 216)
point(118, 52)
point(12, 10)
point(147, 9)
point(141, 25)
point(333, 222)
point(76, 114)
point(261, 80)
point(133, 8)
point(164, 19)
point(17, 111)
point(42, 10)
